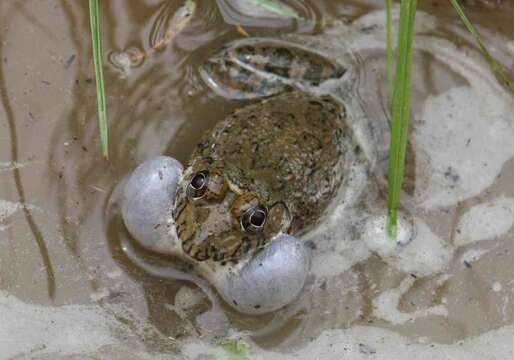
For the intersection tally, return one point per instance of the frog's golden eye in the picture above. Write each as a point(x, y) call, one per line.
point(198, 185)
point(254, 219)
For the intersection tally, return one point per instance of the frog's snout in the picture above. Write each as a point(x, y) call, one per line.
point(271, 279)
point(147, 199)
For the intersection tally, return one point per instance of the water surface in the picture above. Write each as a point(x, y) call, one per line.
point(61, 256)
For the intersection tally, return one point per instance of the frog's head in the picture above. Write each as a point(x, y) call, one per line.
point(217, 219)
point(216, 212)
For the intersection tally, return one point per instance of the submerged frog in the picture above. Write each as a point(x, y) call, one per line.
point(260, 67)
point(260, 179)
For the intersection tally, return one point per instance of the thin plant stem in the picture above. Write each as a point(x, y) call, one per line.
point(472, 30)
point(100, 88)
point(400, 111)
point(389, 40)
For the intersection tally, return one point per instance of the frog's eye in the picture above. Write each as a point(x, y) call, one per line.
point(198, 185)
point(254, 219)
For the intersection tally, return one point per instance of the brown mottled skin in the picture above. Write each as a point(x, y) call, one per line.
point(287, 62)
point(267, 67)
point(286, 153)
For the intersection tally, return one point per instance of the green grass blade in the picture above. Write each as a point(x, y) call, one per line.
point(100, 90)
point(389, 40)
point(494, 64)
point(401, 111)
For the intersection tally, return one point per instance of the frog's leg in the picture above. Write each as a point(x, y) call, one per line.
point(147, 203)
point(259, 67)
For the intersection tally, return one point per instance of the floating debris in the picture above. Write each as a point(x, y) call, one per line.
point(235, 349)
point(6, 166)
point(163, 33)
point(277, 8)
point(174, 26)
point(264, 13)
point(242, 31)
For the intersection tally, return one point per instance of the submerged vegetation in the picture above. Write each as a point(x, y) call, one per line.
point(400, 107)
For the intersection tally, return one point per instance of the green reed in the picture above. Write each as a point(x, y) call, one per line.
point(400, 110)
point(389, 43)
point(100, 88)
point(401, 93)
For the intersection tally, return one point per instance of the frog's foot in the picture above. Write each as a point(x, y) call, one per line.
point(376, 238)
point(147, 202)
point(259, 67)
point(271, 279)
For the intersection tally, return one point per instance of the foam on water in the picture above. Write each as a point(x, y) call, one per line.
point(46, 330)
point(486, 221)
point(85, 330)
point(376, 238)
point(427, 254)
point(467, 136)
point(386, 305)
point(364, 342)
point(473, 255)
point(7, 208)
point(11, 165)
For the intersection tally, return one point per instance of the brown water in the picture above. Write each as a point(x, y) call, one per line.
point(59, 247)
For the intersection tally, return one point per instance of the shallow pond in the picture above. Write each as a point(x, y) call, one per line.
point(67, 286)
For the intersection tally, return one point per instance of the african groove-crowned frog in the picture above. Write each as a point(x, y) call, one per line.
point(259, 179)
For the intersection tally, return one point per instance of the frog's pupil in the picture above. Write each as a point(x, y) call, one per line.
point(198, 181)
point(258, 217)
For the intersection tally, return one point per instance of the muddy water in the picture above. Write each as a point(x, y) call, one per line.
point(62, 256)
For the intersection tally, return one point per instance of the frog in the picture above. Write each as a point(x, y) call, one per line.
point(267, 168)
point(262, 177)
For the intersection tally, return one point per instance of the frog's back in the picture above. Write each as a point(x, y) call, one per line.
point(290, 148)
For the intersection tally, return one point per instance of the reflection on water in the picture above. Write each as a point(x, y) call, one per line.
point(63, 246)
